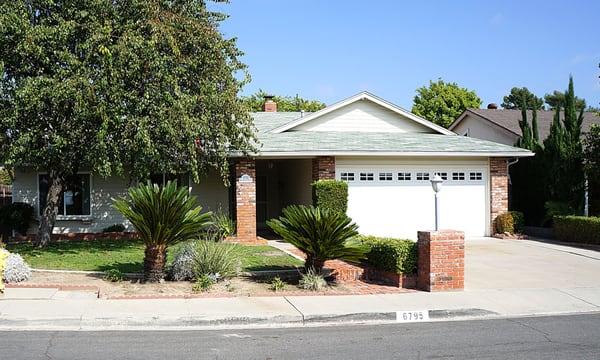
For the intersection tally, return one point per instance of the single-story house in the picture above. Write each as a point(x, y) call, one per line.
point(386, 154)
point(502, 125)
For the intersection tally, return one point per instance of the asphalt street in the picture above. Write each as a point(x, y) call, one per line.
point(556, 337)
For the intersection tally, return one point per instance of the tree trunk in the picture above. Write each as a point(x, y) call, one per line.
point(155, 257)
point(314, 263)
point(48, 216)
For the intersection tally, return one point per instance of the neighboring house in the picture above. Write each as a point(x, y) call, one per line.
point(502, 126)
point(385, 153)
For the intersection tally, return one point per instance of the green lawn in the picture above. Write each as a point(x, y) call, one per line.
point(127, 256)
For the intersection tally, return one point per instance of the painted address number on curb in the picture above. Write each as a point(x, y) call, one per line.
point(412, 316)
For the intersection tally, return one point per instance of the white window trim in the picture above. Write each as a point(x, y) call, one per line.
point(60, 217)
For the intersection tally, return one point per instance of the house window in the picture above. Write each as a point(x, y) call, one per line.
point(386, 177)
point(347, 176)
point(366, 176)
point(475, 176)
point(443, 175)
point(422, 176)
point(75, 197)
point(457, 176)
point(161, 179)
point(404, 176)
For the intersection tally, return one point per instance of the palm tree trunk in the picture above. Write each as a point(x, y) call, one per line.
point(155, 257)
point(314, 263)
point(48, 216)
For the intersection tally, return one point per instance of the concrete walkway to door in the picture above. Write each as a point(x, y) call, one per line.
point(529, 264)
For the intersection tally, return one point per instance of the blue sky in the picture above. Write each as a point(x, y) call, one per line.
point(331, 49)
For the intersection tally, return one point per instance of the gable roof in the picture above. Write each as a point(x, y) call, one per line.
point(509, 119)
point(275, 141)
point(359, 97)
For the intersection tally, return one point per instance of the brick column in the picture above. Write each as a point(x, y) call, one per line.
point(441, 264)
point(245, 200)
point(498, 189)
point(323, 168)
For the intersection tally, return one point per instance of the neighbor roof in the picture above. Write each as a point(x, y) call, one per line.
point(509, 119)
point(313, 143)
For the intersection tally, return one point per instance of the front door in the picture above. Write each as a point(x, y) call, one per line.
point(261, 201)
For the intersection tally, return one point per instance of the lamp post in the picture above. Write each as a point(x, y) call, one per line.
point(436, 184)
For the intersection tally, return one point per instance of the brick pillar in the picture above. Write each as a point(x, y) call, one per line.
point(441, 264)
point(245, 199)
point(498, 189)
point(323, 168)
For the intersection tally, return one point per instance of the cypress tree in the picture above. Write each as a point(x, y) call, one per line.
point(563, 155)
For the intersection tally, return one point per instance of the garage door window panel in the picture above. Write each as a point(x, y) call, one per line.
point(366, 176)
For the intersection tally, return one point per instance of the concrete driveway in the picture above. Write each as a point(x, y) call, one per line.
point(511, 264)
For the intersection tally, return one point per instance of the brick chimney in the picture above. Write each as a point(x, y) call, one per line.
point(269, 105)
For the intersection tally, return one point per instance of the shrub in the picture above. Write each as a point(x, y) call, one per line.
point(215, 258)
point(331, 195)
point(204, 283)
point(392, 255)
point(162, 216)
point(518, 220)
point(16, 269)
point(579, 229)
point(183, 262)
point(113, 275)
point(557, 208)
point(16, 216)
point(312, 280)
point(504, 223)
point(277, 284)
point(319, 233)
point(223, 225)
point(114, 228)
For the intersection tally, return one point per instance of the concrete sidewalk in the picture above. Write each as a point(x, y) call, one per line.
point(19, 310)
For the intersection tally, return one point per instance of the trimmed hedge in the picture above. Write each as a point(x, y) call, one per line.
point(518, 220)
point(16, 216)
point(392, 255)
point(579, 229)
point(504, 224)
point(509, 222)
point(331, 195)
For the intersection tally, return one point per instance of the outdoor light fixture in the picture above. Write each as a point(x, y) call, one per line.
point(436, 184)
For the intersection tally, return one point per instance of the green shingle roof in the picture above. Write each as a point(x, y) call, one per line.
point(291, 142)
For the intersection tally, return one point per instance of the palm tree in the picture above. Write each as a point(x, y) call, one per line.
point(162, 216)
point(321, 234)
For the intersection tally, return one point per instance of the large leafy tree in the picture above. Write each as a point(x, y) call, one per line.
point(557, 99)
point(117, 87)
point(255, 102)
point(514, 100)
point(442, 102)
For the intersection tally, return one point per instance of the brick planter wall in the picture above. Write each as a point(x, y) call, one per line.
point(441, 264)
point(323, 168)
point(345, 272)
point(498, 189)
point(245, 199)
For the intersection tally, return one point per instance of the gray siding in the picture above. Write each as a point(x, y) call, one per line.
point(211, 194)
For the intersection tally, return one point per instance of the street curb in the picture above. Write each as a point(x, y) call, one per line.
point(201, 322)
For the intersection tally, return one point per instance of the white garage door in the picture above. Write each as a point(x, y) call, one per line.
point(398, 201)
